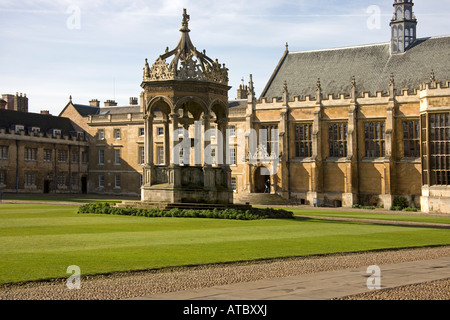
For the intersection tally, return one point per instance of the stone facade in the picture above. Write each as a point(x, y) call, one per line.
point(41, 154)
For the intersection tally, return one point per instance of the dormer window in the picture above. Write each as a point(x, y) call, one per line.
point(19, 128)
point(56, 132)
point(35, 130)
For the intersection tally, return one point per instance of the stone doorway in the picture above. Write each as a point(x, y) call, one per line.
point(260, 177)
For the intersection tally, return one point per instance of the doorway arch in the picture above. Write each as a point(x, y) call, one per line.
point(259, 179)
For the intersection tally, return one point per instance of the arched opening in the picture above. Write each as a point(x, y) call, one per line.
point(260, 179)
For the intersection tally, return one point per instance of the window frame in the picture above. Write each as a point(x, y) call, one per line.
point(303, 140)
point(375, 142)
point(338, 139)
point(411, 139)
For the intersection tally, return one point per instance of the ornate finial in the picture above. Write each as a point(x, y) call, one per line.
point(319, 86)
point(432, 77)
point(70, 98)
point(251, 88)
point(392, 80)
point(285, 87)
point(185, 23)
point(287, 46)
point(353, 82)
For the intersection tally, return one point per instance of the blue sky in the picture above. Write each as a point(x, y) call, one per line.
point(96, 49)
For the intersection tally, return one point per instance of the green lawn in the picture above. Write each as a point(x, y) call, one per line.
point(41, 241)
point(388, 216)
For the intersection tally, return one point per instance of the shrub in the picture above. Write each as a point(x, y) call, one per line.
point(401, 202)
point(230, 213)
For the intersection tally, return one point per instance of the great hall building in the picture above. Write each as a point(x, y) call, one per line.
point(356, 125)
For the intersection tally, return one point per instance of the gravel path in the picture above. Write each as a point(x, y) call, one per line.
point(145, 283)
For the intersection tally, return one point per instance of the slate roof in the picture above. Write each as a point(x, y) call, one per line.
point(9, 118)
point(371, 65)
point(85, 111)
point(120, 110)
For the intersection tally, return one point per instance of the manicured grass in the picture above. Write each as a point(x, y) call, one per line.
point(388, 216)
point(41, 241)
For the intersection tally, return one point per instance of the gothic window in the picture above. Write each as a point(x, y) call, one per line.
point(408, 14)
point(374, 136)
point(439, 148)
point(303, 140)
point(337, 138)
point(399, 14)
point(411, 139)
point(268, 138)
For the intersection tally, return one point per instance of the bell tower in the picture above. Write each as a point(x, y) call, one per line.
point(403, 26)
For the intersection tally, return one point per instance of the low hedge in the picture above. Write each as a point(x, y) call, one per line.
point(250, 214)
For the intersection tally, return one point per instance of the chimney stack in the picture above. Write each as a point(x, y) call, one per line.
point(94, 103)
point(242, 92)
point(46, 112)
point(110, 103)
point(134, 101)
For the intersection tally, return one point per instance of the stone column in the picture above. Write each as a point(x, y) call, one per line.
point(206, 144)
point(173, 134)
point(166, 143)
point(148, 143)
point(222, 126)
point(148, 150)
